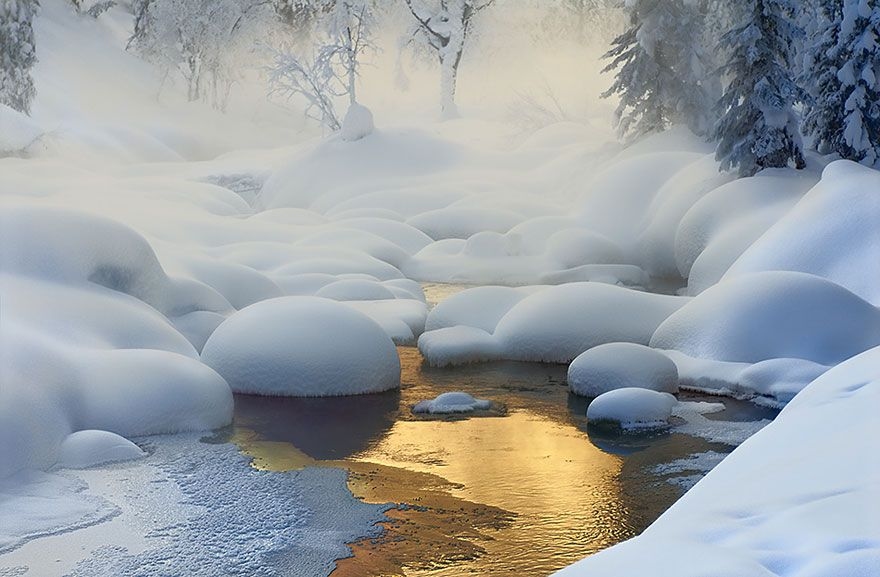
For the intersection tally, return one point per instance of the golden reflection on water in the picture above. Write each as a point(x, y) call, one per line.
point(525, 493)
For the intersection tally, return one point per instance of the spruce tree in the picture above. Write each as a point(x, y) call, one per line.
point(659, 63)
point(823, 113)
point(17, 53)
point(858, 51)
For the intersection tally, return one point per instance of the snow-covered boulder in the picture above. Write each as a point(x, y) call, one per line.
point(458, 345)
point(357, 124)
point(769, 315)
point(480, 307)
point(453, 402)
point(621, 365)
point(559, 323)
point(631, 409)
point(303, 346)
point(355, 290)
point(832, 232)
point(91, 448)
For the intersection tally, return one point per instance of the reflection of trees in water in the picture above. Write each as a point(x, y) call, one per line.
point(325, 428)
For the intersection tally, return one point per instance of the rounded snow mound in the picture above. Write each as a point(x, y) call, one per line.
point(621, 365)
point(358, 123)
point(91, 448)
point(303, 347)
point(355, 290)
point(631, 409)
point(768, 315)
point(453, 402)
point(480, 307)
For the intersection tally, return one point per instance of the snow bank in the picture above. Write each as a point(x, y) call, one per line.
point(832, 232)
point(621, 365)
point(84, 449)
point(303, 346)
point(552, 324)
point(770, 315)
point(631, 409)
point(808, 518)
point(452, 402)
point(17, 131)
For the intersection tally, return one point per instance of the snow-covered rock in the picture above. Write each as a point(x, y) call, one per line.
point(458, 345)
point(832, 232)
point(303, 346)
point(480, 307)
point(452, 402)
point(357, 124)
point(770, 315)
point(621, 365)
point(631, 409)
point(90, 448)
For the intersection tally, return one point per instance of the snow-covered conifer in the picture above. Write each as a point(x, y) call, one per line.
point(17, 53)
point(444, 28)
point(823, 113)
point(758, 127)
point(660, 68)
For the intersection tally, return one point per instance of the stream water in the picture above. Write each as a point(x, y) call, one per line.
point(525, 491)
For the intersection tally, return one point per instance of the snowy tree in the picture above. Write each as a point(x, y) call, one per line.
point(845, 115)
point(198, 39)
point(328, 69)
point(758, 127)
point(823, 116)
point(660, 68)
point(444, 28)
point(17, 53)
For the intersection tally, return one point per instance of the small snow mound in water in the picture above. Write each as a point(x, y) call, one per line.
point(358, 123)
point(90, 448)
point(454, 402)
point(632, 409)
point(303, 347)
point(621, 365)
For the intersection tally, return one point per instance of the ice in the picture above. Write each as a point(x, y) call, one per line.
point(90, 448)
point(631, 409)
point(452, 402)
point(303, 346)
point(769, 315)
point(621, 365)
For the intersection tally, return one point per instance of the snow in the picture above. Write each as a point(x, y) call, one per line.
point(17, 131)
point(802, 516)
point(452, 402)
point(357, 124)
point(837, 217)
point(631, 409)
point(303, 346)
point(480, 307)
point(769, 315)
point(84, 449)
point(621, 365)
point(458, 345)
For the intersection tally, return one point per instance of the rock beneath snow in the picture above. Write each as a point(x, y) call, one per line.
point(453, 402)
point(631, 409)
point(777, 314)
point(91, 448)
point(358, 123)
point(621, 365)
point(303, 347)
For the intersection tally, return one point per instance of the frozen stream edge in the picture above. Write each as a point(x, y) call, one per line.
point(195, 508)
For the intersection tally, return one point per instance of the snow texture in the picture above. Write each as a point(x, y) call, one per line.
point(452, 402)
point(621, 365)
point(631, 409)
point(84, 449)
point(303, 347)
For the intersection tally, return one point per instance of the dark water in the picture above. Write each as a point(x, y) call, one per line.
point(524, 492)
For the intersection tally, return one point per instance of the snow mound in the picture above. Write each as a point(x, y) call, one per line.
point(357, 124)
point(458, 345)
point(90, 448)
point(769, 315)
point(355, 290)
point(303, 346)
point(832, 232)
point(452, 402)
point(464, 222)
point(559, 323)
point(631, 409)
point(621, 365)
point(480, 307)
